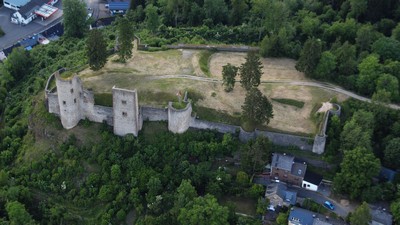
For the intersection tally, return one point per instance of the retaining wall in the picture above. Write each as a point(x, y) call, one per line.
point(154, 114)
point(226, 48)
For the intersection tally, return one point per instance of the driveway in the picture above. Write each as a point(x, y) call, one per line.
point(340, 210)
point(14, 32)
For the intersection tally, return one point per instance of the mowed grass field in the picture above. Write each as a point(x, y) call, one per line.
point(145, 72)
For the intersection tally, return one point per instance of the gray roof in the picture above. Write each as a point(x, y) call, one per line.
point(301, 216)
point(298, 169)
point(282, 161)
point(17, 2)
point(287, 196)
point(380, 216)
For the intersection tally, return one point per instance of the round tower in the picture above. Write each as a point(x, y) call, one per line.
point(69, 92)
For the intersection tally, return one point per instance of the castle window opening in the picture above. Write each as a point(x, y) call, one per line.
point(123, 102)
point(72, 90)
point(124, 113)
point(74, 100)
point(64, 103)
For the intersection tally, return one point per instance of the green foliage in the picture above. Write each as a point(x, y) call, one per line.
point(229, 73)
point(18, 64)
point(74, 18)
point(255, 155)
point(152, 20)
point(96, 49)
point(346, 58)
point(282, 218)
point(395, 32)
point(288, 101)
point(250, 71)
point(392, 153)
point(309, 56)
point(125, 38)
point(216, 10)
point(204, 59)
point(262, 205)
point(104, 99)
point(390, 84)
point(314, 206)
point(387, 48)
point(358, 168)
point(326, 66)
point(395, 209)
point(242, 179)
point(17, 214)
point(257, 109)
point(370, 69)
point(361, 216)
point(358, 131)
point(179, 105)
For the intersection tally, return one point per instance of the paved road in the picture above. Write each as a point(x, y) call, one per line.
point(322, 85)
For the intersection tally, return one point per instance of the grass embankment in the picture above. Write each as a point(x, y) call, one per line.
point(204, 62)
point(292, 102)
point(179, 105)
point(219, 116)
point(104, 99)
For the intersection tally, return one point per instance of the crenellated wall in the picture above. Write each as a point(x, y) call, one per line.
point(179, 119)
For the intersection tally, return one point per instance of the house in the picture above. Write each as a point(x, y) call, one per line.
point(118, 6)
point(380, 216)
point(15, 4)
point(311, 181)
point(285, 169)
point(299, 216)
point(32, 9)
point(2, 56)
point(278, 195)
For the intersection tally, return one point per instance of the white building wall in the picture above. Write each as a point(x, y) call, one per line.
point(309, 186)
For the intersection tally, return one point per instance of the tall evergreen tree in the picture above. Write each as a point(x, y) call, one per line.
point(125, 38)
point(250, 71)
point(75, 22)
point(309, 56)
point(96, 49)
point(229, 73)
point(257, 109)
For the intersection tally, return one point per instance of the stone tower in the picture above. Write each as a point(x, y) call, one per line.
point(126, 112)
point(69, 92)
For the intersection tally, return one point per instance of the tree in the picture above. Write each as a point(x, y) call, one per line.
point(125, 38)
point(96, 49)
point(346, 58)
point(17, 214)
point(370, 69)
point(282, 218)
point(358, 131)
point(185, 193)
point(358, 7)
point(75, 22)
point(361, 216)
point(216, 10)
point(115, 172)
point(3, 178)
point(396, 32)
point(242, 179)
point(326, 66)
point(366, 35)
point(17, 65)
point(152, 20)
point(278, 44)
point(204, 211)
point(309, 56)
point(390, 84)
point(391, 154)
point(358, 168)
point(250, 71)
point(387, 48)
point(395, 209)
point(262, 205)
point(238, 12)
point(257, 109)
point(229, 73)
point(175, 7)
point(255, 154)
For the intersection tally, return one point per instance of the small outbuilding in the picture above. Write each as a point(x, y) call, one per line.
point(311, 181)
point(118, 6)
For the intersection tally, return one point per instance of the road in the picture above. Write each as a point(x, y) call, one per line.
point(321, 85)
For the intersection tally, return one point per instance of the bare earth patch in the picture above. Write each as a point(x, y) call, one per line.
point(274, 68)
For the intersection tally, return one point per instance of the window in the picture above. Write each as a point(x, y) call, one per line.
point(72, 90)
point(123, 102)
point(308, 185)
point(74, 100)
point(64, 103)
point(124, 114)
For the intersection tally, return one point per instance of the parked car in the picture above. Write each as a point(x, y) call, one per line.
point(329, 205)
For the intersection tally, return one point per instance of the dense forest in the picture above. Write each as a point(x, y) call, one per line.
point(165, 178)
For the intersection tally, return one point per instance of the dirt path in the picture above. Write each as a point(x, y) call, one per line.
point(321, 85)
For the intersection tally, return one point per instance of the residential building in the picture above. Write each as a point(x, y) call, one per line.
point(32, 9)
point(311, 181)
point(279, 195)
point(380, 216)
point(285, 169)
point(299, 216)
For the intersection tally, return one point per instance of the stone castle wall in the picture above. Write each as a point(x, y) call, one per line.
point(72, 102)
point(125, 112)
point(179, 119)
point(320, 138)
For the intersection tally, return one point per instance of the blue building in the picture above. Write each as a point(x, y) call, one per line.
point(118, 6)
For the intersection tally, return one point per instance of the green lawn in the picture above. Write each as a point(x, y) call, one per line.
point(204, 61)
point(292, 102)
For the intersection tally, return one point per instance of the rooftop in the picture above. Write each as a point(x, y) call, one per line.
point(312, 177)
point(282, 161)
point(298, 169)
point(18, 2)
point(381, 217)
point(30, 8)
